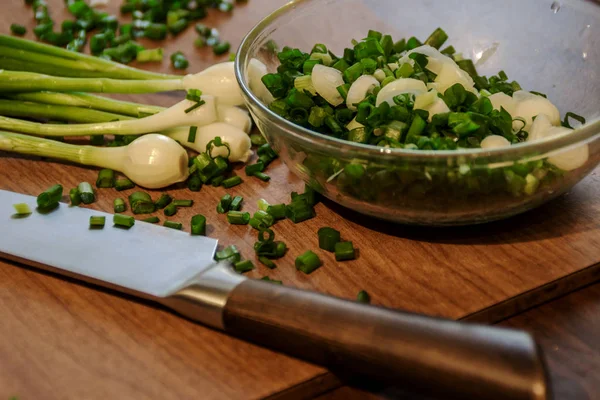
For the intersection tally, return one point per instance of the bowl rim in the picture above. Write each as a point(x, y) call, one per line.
point(557, 143)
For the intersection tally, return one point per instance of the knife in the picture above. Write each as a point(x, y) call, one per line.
point(426, 355)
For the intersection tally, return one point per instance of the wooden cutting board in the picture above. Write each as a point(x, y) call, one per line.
point(60, 339)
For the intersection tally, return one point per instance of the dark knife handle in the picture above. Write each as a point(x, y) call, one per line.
point(431, 356)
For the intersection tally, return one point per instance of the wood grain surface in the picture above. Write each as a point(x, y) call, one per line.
point(63, 340)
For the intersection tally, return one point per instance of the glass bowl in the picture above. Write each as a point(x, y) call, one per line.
point(549, 47)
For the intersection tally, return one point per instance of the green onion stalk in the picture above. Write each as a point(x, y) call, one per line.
point(152, 161)
point(89, 101)
point(37, 67)
point(232, 125)
point(184, 113)
point(29, 66)
point(26, 55)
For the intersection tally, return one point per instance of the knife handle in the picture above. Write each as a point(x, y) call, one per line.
point(427, 355)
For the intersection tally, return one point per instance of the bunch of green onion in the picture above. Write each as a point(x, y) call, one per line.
point(193, 122)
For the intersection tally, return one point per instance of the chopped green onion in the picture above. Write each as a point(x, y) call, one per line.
point(574, 116)
point(299, 211)
point(328, 238)
point(97, 222)
point(151, 220)
point(254, 168)
point(243, 266)
point(195, 106)
point(449, 51)
point(236, 203)
point(344, 251)
point(280, 249)
point(224, 204)
point(231, 182)
point(194, 95)
point(304, 85)
point(217, 181)
point(50, 197)
point(141, 203)
point(269, 239)
point(123, 221)
point(404, 71)
point(363, 297)
point(267, 263)
point(267, 279)
point(98, 43)
point(106, 178)
point(22, 209)
point(413, 43)
point(202, 30)
point(353, 72)
point(194, 183)
point(257, 139)
point(261, 220)
point(179, 61)
point(277, 211)
point(150, 55)
point(238, 218)
point(173, 225)
point(86, 192)
point(308, 262)
point(183, 203)
point(200, 42)
point(263, 177)
point(17, 29)
point(437, 38)
point(221, 48)
point(170, 210)
point(163, 201)
point(198, 225)
point(192, 134)
point(155, 31)
point(119, 205)
point(75, 197)
point(263, 204)
point(124, 184)
point(230, 254)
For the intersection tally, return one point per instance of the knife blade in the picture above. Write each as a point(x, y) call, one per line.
point(147, 259)
point(428, 355)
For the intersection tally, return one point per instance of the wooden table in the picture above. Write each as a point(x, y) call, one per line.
point(60, 339)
